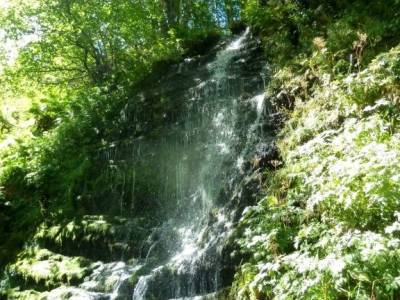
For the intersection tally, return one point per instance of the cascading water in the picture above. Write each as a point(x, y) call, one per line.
point(189, 179)
point(210, 144)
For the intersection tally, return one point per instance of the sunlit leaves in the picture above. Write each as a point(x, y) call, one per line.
point(335, 231)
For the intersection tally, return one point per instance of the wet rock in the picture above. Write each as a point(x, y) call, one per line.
point(220, 295)
point(111, 278)
point(42, 269)
point(96, 237)
point(71, 293)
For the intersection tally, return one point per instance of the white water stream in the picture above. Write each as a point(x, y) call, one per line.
point(216, 99)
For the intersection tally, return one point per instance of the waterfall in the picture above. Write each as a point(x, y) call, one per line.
point(207, 148)
point(179, 188)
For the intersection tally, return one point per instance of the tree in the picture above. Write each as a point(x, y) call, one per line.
point(89, 42)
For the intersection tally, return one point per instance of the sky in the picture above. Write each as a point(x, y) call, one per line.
point(4, 3)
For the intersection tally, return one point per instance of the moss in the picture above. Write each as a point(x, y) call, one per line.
point(43, 269)
point(96, 237)
point(17, 224)
point(25, 295)
point(133, 280)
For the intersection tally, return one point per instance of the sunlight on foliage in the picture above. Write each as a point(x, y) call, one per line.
point(329, 225)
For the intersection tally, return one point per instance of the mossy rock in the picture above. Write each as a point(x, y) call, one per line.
point(96, 237)
point(42, 269)
point(61, 293)
point(25, 295)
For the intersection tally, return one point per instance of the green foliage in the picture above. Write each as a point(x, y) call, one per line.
point(327, 228)
point(25, 295)
point(288, 28)
point(74, 67)
point(278, 23)
point(44, 269)
point(79, 42)
point(86, 58)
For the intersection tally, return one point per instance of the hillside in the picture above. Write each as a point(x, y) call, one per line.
point(200, 150)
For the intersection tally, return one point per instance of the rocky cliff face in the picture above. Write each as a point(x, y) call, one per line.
point(165, 201)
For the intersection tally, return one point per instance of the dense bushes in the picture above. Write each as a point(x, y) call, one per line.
point(327, 227)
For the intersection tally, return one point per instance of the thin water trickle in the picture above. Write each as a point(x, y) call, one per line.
point(258, 102)
point(141, 288)
point(235, 45)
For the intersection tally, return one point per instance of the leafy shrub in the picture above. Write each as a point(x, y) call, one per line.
point(328, 227)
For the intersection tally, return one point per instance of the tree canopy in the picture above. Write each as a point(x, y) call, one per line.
point(93, 42)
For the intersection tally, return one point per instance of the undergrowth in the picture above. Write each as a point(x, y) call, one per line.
point(328, 226)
